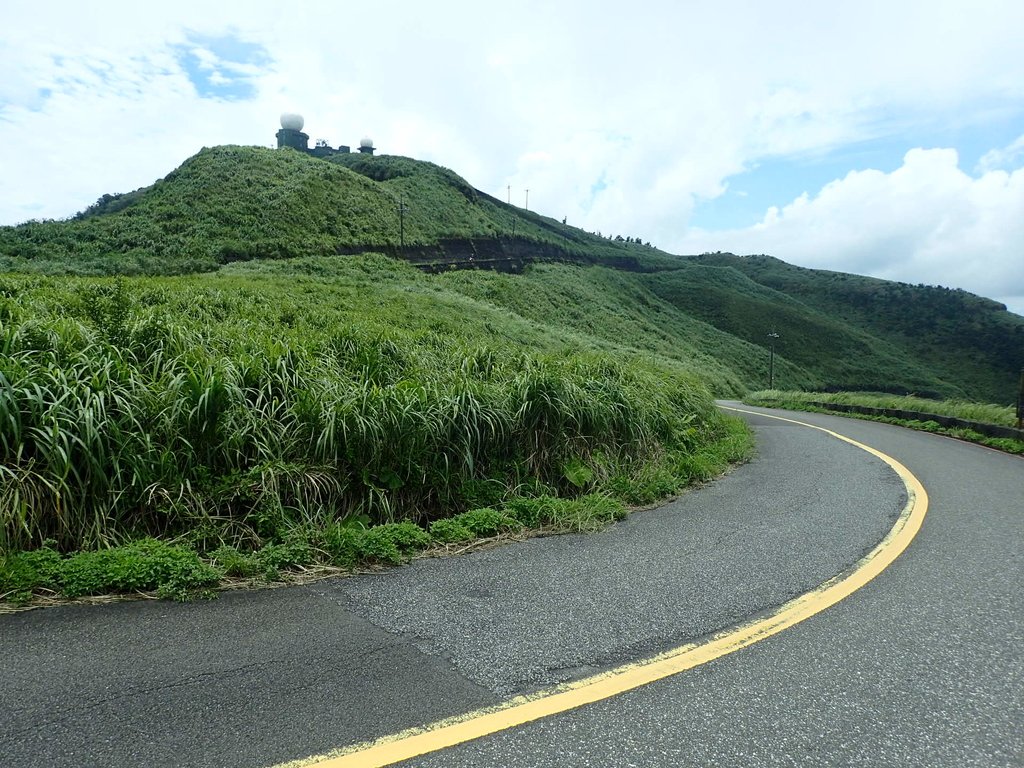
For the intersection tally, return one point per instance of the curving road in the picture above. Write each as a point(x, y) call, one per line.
point(923, 666)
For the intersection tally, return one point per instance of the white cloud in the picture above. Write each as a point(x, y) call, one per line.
point(1006, 158)
point(926, 222)
point(621, 121)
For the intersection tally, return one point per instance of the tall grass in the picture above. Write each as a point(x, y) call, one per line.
point(236, 410)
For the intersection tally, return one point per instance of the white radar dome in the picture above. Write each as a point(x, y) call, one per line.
point(292, 122)
point(366, 142)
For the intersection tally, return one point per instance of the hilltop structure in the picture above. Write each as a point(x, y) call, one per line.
point(292, 137)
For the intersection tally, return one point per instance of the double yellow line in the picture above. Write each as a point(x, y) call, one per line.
point(524, 709)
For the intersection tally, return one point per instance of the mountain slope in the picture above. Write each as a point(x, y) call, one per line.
point(970, 343)
point(712, 312)
point(837, 353)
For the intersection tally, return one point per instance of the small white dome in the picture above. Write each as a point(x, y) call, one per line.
point(291, 121)
point(366, 141)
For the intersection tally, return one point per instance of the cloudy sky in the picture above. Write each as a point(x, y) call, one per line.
point(881, 138)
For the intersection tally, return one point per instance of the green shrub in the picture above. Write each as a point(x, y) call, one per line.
point(532, 512)
point(408, 538)
point(235, 563)
point(487, 522)
point(375, 546)
point(272, 557)
point(389, 544)
point(449, 530)
point(23, 573)
point(341, 542)
point(266, 561)
point(142, 565)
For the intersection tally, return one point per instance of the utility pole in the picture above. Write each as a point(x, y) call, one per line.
point(772, 336)
point(402, 208)
point(509, 190)
point(1020, 401)
point(527, 199)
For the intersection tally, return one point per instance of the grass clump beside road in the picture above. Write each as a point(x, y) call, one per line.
point(983, 413)
point(179, 571)
point(172, 571)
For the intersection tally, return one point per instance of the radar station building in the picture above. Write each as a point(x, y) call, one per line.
point(291, 136)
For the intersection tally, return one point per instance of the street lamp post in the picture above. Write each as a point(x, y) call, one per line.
point(771, 359)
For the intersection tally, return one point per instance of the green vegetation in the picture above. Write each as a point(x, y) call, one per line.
point(954, 344)
point(260, 417)
point(229, 204)
point(147, 564)
point(226, 376)
point(243, 403)
point(837, 331)
point(976, 412)
point(178, 571)
point(999, 415)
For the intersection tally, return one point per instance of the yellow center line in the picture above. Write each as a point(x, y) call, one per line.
point(524, 709)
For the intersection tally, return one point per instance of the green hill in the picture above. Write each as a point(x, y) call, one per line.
point(711, 313)
point(970, 346)
point(228, 204)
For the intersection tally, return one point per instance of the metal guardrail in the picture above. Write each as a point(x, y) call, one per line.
point(989, 430)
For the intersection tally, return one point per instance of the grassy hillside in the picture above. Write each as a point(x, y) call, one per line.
point(237, 203)
point(971, 345)
point(828, 351)
point(231, 360)
point(620, 310)
point(273, 396)
point(710, 313)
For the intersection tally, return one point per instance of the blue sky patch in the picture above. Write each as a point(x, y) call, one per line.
point(42, 95)
point(222, 67)
point(780, 180)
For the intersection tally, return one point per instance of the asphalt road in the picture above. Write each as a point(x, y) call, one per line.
point(922, 667)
